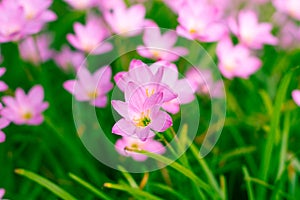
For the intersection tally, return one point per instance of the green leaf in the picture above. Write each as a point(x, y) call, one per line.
point(45, 183)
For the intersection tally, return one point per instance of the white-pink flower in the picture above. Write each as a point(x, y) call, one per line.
point(36, 49)
point(132, 143)
point(25, 109)
point(160, 46)
point(236, 61)
point(141, 112)
point(296, 96)
point(91, 87)
point(90, 38)
point(126, 21)
point(250, 32)
point(68, 59)
point(289, 7)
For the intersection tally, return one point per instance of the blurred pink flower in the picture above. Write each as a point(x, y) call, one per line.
point(181, 87)
point(201, 21)
point(296, 96)
point(174, 5)
point(91, 87)
point(149, 145)
point(289, 7)
point(36, 50)
point(2, 192)
point(3, 85)
point(236, 61)
point(250, 32)
point(81, 4)
point(203, 83)
point(68, 59)
point(289, 35)
point(141, 113)
point(160, 47)
point(3, 123)
point(25, 109)
point(20, 18)
point(90, 38)
point(126, 21)
point(111, 5)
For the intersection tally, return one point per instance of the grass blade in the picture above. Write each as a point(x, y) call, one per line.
point(45, 183)
point(248, 184)
point(89, 187)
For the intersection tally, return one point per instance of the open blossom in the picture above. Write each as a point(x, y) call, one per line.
point(91, 87)
point(2, 192)
point(289, 36)
point(296, 96)
point(20, 18)
point(25, 109)
point(126, 21)
point(236, 61)
point(160, 47)
point(3, 85)
point(132, 143)
point(90, 38)
point(202, 23)
point(141, 113)
point(81, 4)
point(289, 7)
point(36, 50)
point(202, 82)
point(68, 59)
point(250, 32)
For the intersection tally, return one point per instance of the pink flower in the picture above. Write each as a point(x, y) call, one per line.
point(111, 5)
point(67, 59)
point(236, 61)
point(3, 85)
point(174, 5)
point(180, 87)
point(149, 145)
point(3, 123)
point(141, 74)
point(141, 112)
point(296, 96)
point(250, 32)
point(203, 83)
point(20, 18)
point(90, 38)
point(289, 7)
point(91, 87)
point(160, 47)
point(2, 192)
point(126, 21)
point(81, 4)
point(25, 109)
point(200, 20)
point(36, 50)
point(289, 36)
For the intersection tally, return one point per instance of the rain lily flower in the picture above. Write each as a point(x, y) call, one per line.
point(81, 4)
point(250, 32)
point(2, 192)
point(90, 38)
point(20, 18)
point(289, 7)
point(289, 36)
point(91, 87)
point(180, 87)
point(3, 85)
point(160, 47)
point(141, 113)
point(3, 123)
point(36, 50)
point(132, 143)
point(200, 22)
point(126, 21)
point(202, 82)
point(296, 96)
point(68, 59)
point(25, 109)
point(236, 61)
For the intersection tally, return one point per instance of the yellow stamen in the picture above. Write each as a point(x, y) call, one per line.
point(149, 94)
point(27, 116)
point(93, 95)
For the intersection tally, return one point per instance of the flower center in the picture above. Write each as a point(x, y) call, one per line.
point(93, 95)
point(144, 119)
point(27, 115)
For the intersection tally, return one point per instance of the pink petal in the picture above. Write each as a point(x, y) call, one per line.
point(121, 107)
point(296, 96)
point(124, 127)
point(2, 139)
point(36, 94)
point(161, 121)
